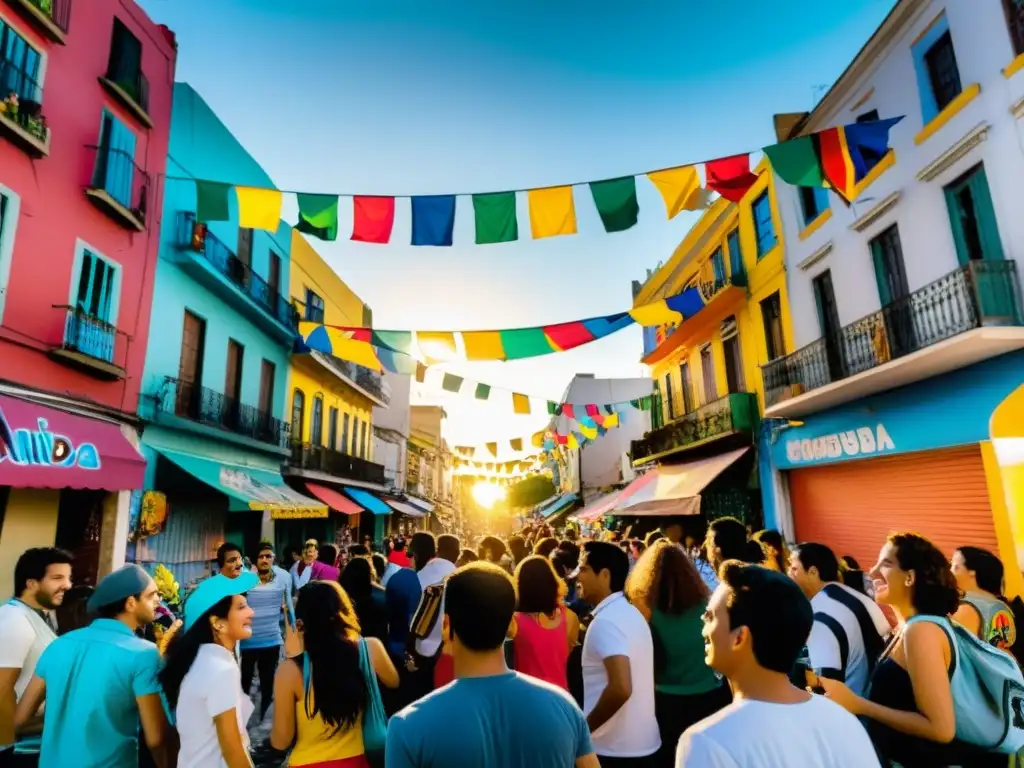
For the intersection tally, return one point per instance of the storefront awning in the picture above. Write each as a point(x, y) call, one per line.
point(336, 500)
point(598, 507)
point(43, 447)
point(368, 501)
point(257, 489)
point(423, 504)
point(557, 505)
point(405, 508)
point(673, 489)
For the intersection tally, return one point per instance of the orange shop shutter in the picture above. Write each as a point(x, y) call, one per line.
point(852, 506)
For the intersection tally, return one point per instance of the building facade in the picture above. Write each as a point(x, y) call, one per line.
point(707, 368)
point(391, 431)
point(332, 404)
point(907, 304)
point(429, 471)
point(213, 389)
point(85, 110)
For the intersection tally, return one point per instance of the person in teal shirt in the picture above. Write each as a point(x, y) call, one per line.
point(100, 681)
point(502, 719)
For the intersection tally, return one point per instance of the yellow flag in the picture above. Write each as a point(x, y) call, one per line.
point(483, 345)
point(436, 346)
point(537, 440)
point(571, 441)
point(492, 448)
point(654, 314)
point(552, 212)
point(588, 432)
point(677, 187)
point(259, 208)
point(611, 420)
point(520, 403)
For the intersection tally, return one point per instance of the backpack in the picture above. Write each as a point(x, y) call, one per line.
point(987, 688)
point(873, 642)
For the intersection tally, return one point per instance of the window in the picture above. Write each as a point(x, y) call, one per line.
point(732, 242)
point(362, 441)
point(298, 415)
point(764, 227)
point(890, 273)
point(91, 324)
point(973, 218)
point(125, 64)
point(868, 117)
point(355, 436)
point(828, 321)
point(332, 428)
point(771, 316)
point(1014, 10)
point(190, 366)
point(267, 373)
point(733, 356)
point(670, 401)
point(273, 278)
point(718, 267)
point(344, 433)
point(813, 202)
point(233, 374)
point(938, 77)
point(314, 307)
point(316, 421)
point(20, 67)
point(114, 171)
point(9, 205)
point(686, 384)
point(707, 372)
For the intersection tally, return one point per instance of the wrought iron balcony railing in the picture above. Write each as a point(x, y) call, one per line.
point(21, 103)
point(366, 379)
point(130, 80)
point(119, 185)
point(733, 413)
point(52, 17)
point(215, 409)
point(983, 293)
point(91, 344)
point(195, 237)
point(318, 458)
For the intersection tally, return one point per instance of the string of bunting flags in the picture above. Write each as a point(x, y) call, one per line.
point(835, 158)
point(522, 404)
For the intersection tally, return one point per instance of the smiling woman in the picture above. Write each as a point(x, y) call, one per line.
point(488, 494)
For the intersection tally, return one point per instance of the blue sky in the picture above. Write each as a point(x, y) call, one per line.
point(430, 97)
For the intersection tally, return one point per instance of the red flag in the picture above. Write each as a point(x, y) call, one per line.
point(373, 218)
point(568, 410)
point(592, 410)
point(730, 176)
point(561, 439)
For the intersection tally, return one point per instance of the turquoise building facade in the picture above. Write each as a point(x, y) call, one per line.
point(215, 379)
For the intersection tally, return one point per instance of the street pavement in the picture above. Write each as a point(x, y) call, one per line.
point(259, 732)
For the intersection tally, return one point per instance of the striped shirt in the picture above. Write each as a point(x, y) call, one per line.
point(266, 601)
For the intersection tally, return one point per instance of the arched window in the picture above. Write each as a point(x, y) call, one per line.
point(316, 421)
point(298, 414)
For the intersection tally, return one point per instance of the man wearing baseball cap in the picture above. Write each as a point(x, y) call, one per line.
point(101, 680)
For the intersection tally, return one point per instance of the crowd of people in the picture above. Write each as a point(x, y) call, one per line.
point(727, 649)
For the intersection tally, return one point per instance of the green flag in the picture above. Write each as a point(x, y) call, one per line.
point(616, 202)
point(552, 408)
point(796, 162)
point(483, 391)
point(495, 216)
point(212, 201)
point(451, 383)
point(318, 216)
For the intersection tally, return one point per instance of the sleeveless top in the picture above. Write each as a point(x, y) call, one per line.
point(997, 625)
point(679, 666)
point(542, 652)
point(314, 743)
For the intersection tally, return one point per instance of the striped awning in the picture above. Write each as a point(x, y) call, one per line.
point(557, 505)
point(368, 501)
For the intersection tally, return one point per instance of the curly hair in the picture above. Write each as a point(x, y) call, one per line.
point(935, 592)
point(666, 580)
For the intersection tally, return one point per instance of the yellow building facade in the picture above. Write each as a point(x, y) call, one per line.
point(734, 253)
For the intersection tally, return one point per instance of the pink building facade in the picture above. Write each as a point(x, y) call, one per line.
point(85, 105)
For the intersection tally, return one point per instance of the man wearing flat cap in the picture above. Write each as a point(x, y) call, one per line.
point(101, 681)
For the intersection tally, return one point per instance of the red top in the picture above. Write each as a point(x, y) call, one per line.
point(542, 652)
point(400, 559)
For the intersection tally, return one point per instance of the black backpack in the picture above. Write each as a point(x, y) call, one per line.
point(873, 643)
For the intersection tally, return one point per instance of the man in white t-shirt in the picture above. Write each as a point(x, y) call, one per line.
point(27, 627)
point(849, 630)
point(755, 627)
point(618, 662)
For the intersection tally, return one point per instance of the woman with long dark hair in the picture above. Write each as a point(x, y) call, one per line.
point(321, 695)
point(201, 678)
point(909, 710)
point(983, 609)
point(667, 589)
point(368, 598)
point(545, 629)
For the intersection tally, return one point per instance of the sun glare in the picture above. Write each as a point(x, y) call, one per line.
point(487, 494)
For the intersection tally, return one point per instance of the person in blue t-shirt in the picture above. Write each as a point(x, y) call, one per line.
point(505, 719)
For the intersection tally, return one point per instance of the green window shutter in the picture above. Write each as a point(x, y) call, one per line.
point(881, 273)
point(991, 246)
point(956, 214)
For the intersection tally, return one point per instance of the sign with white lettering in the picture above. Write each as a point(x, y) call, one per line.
point(863, 441)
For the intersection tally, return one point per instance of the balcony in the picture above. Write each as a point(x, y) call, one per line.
point(130, 88)
point(118, 187)
point(186, 400)
point(92, 345)
point(215, 265)
point(50, 18)
point(21, 111)
point(368, 383)
point(970, 315)
point(317, 458)
point(731, 415)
